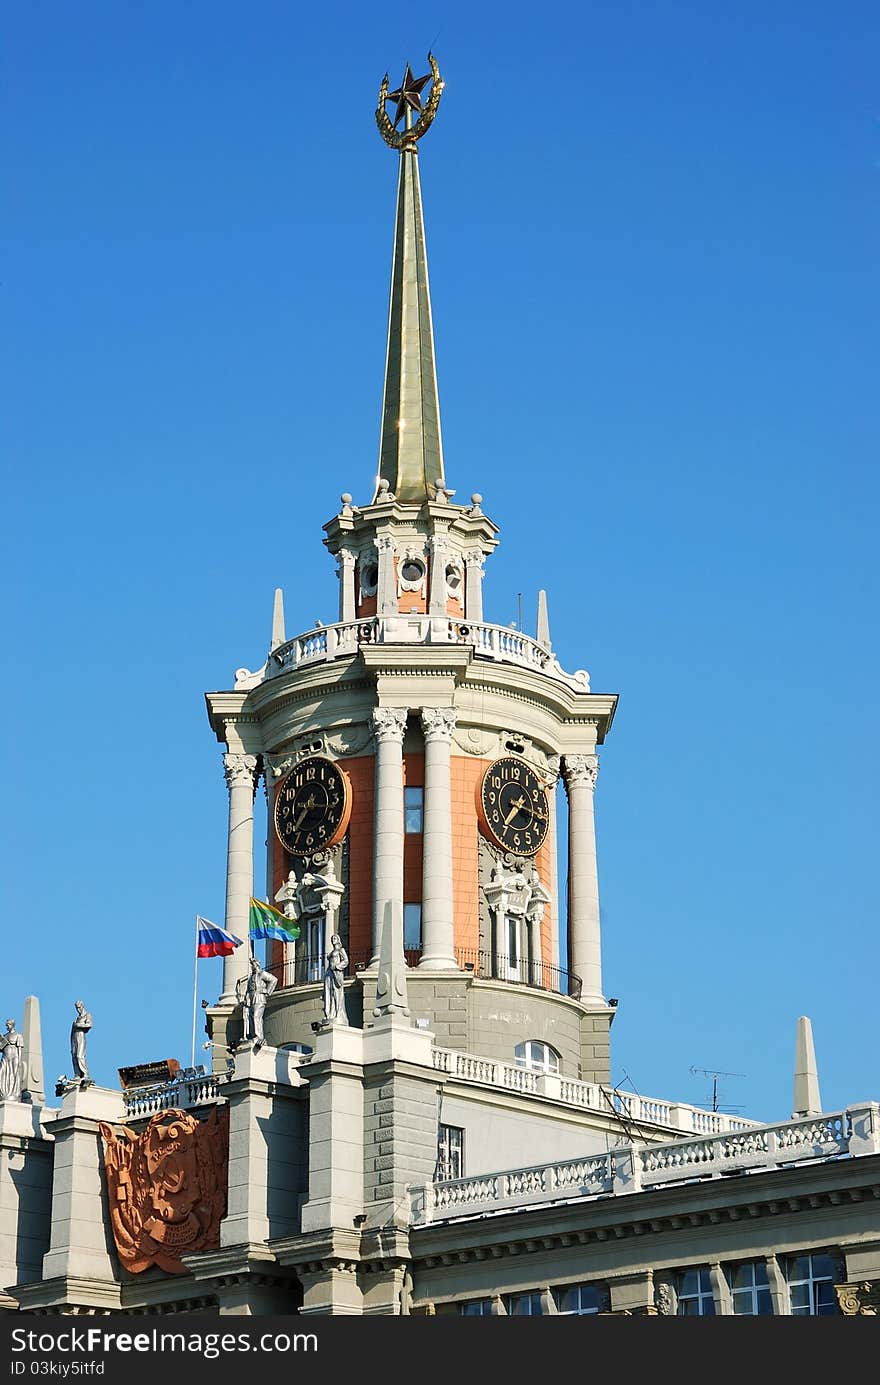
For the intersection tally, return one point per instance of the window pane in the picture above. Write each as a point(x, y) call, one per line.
point(413, 809)
point(524, 1305)
point(765, 1304)
point(690, 1282)
point(580, 1298)
point(412, 926)
point(800, 1297)
point(477, 1308)
point(825, 1298)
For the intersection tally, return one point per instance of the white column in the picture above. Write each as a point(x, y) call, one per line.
point(438, 928)
point(533, 931)
point(241, 772)
point(553, 838)
point(345, 572)
point(584, 939)
point(389, 728)
point(473, 589)
point(439, 557)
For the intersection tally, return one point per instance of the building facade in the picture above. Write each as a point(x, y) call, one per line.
point(423, 1123)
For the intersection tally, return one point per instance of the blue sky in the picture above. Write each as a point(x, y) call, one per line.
point(652, 234)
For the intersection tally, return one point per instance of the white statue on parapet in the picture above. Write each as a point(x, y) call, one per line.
point(252, 992)
point(334, 983)
point(11, 1046)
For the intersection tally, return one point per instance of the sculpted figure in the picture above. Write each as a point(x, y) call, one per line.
point(11, 1046)
point(78, 1030)
point(252, 992)
point(334, 977)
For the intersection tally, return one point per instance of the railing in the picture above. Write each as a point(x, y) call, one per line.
point(198, 1090)
point(344, 638)
point(640, 1111)
point(852, 1133)
point(304, 971)
point(519, 971)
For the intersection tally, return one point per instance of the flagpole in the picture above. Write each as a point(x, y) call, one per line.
point(195, 992)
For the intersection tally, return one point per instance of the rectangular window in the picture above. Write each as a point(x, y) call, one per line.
point(413, 809)
point(695, 1298)
point(523, 1305)
point(750, 1290)
point(315, 958)
point(476, 1308)
point(450, 1153)
point(412, 927)
point(578, 1300)
point(811, 1285)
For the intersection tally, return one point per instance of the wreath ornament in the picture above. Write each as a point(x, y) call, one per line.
point(407, 139)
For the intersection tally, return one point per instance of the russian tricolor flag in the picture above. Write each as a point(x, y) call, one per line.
point(214, 941)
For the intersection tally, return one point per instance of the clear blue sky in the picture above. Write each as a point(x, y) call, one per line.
point(652, 232)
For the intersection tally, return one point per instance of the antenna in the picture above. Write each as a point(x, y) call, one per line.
point(715, 1073)
point(519, 611)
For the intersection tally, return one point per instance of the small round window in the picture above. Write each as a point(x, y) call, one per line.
point(453, 579)
point(369, 578)
point(412, 570)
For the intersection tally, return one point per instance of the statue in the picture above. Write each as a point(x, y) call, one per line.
point(252, 992)
point(166, 1188)
point(11, 1046)
point(334, 978)
point(78, 1030)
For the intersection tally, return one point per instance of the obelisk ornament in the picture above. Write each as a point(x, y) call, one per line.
point(408, 98)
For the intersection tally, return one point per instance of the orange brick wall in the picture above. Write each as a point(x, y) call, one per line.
point(467, 774)
point(360, 854)
point(413, 601)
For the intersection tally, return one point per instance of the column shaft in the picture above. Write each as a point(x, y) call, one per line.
point(389, 725)
point(438, 919)
point(584, 937)
point(473, 592)
point(240, 777)
point(346, 584)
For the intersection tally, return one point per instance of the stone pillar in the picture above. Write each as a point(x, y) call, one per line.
point(584, 938)
point(386, 589)
point(438, 944)
point(81, 1244)
point(345, 570)
point(439, 555)
point(536, 964)
point(389, 728)
point(473, 591)
point(241, 772)
point(32, 1085)
point(267, 1172)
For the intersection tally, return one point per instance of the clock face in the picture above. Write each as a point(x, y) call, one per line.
point(312, 806)
point(514, 807)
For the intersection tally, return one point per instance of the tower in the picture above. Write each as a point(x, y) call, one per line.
point(410, 750)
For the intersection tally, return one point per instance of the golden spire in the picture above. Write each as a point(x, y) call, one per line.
point(410, 447)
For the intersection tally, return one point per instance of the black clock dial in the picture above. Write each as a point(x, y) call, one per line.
point(515, 810)
point(312, 806)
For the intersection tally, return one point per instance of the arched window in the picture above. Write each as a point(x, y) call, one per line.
point(537, 1056)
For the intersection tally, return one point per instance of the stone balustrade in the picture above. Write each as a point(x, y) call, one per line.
point(635, 1168)
point(180, 1092)
point(326, 642)
point(640, 1110)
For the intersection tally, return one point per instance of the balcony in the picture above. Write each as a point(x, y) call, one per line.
point(497, 643)
point(308, 971)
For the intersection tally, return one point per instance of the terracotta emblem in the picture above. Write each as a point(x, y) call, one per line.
point(167, 1188)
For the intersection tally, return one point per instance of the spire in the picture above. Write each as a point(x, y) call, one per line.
point(410, 448)
point(807, 1101)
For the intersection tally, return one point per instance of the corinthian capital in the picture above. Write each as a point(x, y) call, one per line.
point(240, 770)
point(389, 724)
point(580, 769)
point(438, 723)
point(475, 557)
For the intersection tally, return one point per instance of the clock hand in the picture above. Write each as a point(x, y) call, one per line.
point(310, 803)
point(517, 804)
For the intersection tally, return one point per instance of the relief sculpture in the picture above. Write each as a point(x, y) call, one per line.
point(166, 1188)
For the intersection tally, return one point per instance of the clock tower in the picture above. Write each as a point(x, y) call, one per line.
point(412, 751)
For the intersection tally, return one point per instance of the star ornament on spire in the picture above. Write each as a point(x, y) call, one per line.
point(408, 94)
point(408, 98)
